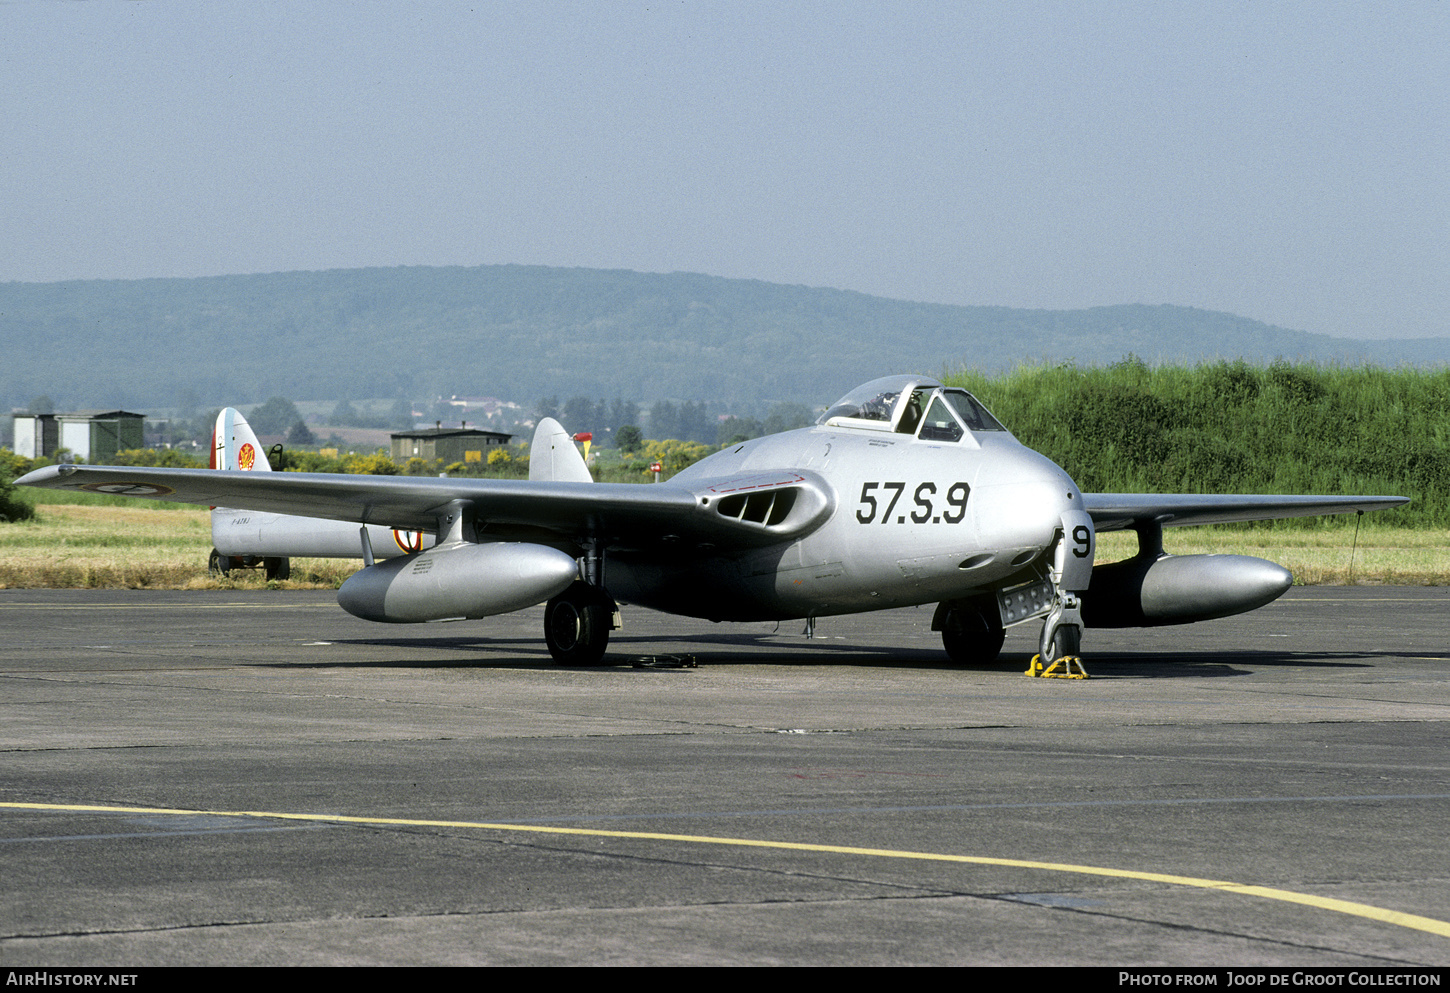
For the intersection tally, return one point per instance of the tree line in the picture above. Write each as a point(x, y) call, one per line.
point(1225, 427)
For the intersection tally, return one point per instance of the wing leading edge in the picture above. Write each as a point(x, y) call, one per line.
point(503, 509)
point(1119, 511)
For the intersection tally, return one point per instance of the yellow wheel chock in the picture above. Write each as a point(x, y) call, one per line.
point(1071, 668)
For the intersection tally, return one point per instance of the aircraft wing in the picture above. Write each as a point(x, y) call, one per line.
point(619, 514)
point(1117, 511)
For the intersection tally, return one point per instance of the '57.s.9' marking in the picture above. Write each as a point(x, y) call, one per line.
point(923, 508)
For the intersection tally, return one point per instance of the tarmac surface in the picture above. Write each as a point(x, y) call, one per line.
point(1266, 790)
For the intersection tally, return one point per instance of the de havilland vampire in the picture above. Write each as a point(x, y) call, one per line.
point(905, 492)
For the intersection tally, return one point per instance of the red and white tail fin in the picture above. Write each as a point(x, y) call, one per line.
point(235, 446)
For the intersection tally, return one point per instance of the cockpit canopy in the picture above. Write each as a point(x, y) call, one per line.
point(911, 405)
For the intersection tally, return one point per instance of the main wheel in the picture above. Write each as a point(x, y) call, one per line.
point(277, 568)
point(970, 637)
point(576, 625)
point(218, 564)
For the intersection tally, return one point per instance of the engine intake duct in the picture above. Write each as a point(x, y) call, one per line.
point(769, 507)
point(1154, 588)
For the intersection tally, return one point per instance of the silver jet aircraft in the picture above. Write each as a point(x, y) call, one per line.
point(905, 492)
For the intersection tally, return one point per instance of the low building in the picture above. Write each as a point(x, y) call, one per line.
point(36, 435)
point(94, 436)
point(463, 444)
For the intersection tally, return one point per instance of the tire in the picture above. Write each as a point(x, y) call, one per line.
point(277, 568)
point(1066, 640)
point(577, 624)
point(218, 564)
point(970, 637)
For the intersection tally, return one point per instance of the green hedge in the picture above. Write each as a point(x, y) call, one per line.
point(1237, 428)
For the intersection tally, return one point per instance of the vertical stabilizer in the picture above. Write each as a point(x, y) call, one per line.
point(553, 457)
point(235, 446)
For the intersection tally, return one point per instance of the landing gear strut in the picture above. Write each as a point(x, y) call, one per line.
point(1070, 573)
point(577, 623)
point(1062, 631)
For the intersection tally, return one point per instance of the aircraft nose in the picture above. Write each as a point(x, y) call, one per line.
point(1022, 505)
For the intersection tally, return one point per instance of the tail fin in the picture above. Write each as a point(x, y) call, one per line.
point(235, 446)
point(553, 457)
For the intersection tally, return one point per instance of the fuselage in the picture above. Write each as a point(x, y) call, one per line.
point(914, 521)
point(255, 533)
point(906, 492)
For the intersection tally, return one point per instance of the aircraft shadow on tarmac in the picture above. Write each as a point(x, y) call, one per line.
point(767, 648)
point(731, 649)
point(1169, 665)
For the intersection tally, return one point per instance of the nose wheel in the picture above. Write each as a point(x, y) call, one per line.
point(1067, 641)
point(1061, 641)
point(1062, 632)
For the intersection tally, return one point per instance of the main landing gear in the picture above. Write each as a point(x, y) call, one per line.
point(577, 623)
point(971, 630)
point(273, 568)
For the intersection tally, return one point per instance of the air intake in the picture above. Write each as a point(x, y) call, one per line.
point(769, 508)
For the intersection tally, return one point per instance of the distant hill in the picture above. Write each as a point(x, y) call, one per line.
point(522, 332)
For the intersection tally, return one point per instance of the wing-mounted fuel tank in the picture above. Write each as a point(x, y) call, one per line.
point(458, 581)
point(1154, 588)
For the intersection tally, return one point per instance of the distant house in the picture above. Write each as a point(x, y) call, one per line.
point(92, 435)
point(449, 444)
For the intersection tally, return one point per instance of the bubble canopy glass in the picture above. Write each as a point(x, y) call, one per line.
point(896, 403)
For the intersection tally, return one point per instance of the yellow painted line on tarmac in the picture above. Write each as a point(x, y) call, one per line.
point(1414, 921)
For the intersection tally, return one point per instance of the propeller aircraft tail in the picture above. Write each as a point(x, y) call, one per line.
point(252, 539)
point(234, 444)
point(553, 457)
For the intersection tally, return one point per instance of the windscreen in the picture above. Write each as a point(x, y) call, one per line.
point(970, 410)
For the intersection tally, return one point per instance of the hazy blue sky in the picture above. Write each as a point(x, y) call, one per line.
point(1287, 161)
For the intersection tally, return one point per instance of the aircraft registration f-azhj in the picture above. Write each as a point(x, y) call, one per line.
point(905, 492)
